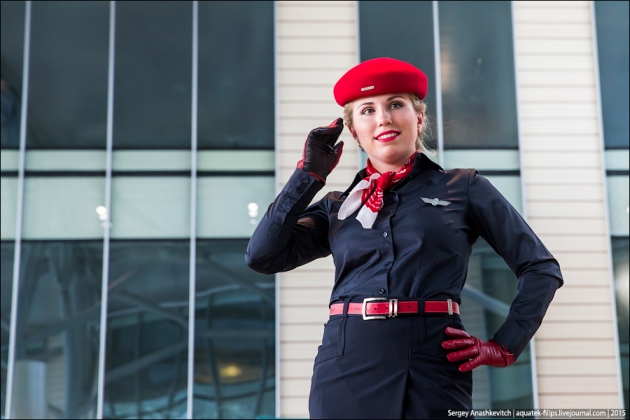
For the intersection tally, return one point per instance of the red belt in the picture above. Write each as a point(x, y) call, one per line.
point(382, 308)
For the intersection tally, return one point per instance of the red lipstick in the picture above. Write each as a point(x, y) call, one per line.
point(388, 136)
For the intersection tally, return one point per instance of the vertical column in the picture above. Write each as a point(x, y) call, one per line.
point(316, 44)
point(565, 189)
point(19, 211)
point(108, 200)
point(193, 212)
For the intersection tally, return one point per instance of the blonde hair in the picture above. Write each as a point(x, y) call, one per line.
point(418, 106)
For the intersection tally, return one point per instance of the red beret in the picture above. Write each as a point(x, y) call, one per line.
point(378, 76)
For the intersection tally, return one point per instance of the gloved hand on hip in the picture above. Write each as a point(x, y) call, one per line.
point(482, 352)
point(321, 155)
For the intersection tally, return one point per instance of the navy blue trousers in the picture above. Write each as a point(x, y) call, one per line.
point(393, 368)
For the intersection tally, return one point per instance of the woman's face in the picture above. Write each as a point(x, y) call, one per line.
point(386, 126)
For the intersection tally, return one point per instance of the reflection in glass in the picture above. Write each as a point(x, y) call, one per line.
point(620, 249)
point(6, 276)
point(147, 330)
point(612, 47)
point(153, 75)
point(477, 68)
point(412, 41)
point(67, 104)
point(236, 81)
point(12, 47)
point(234, 334)
point(490, 288)
point(57, 337)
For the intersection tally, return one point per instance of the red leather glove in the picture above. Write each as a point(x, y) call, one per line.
point(320, 154)
point(487, 352)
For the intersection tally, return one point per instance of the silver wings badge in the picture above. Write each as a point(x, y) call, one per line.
point(436, 201)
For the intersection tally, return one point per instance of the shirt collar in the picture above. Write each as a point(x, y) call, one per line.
point(422, 163)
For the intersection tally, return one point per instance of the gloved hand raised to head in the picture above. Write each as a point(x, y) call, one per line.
point(321, 155)
point(482, 352)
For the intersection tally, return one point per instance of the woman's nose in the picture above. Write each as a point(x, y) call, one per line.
point(383, 117)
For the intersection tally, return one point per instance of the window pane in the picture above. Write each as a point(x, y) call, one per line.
point(6, 276)
point(64, 207)
point(151, 207)
point(236, 82)
point(620, 249)
point(152, 81)
point(231, 207)
point(490, 288)
point(477, 66)
point(67, 104)
point(612, 47)
point(8, 203)
point(147, 330)
point(618, 202)
point(12, 47)
point(411, 41)
point(234, 334)
point(57, 337)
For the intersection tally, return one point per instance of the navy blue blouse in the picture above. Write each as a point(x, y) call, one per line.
point(416, 248)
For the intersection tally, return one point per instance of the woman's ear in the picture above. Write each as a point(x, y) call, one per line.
point(353, 133)
point(420, 118)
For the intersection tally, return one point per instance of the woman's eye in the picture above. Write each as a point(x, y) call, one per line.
point(367, 111)
point(396, 105)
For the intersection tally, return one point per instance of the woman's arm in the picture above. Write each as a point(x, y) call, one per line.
point(289, 235)
point(538, 271)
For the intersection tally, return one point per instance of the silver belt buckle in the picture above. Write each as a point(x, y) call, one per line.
point(393, 308)
point(450, 306)
point(367, 317)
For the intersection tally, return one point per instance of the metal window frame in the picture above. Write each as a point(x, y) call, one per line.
point(19, 210)
point(192, 280)
point(108, 201)
point(437, 58)
point(276, 136)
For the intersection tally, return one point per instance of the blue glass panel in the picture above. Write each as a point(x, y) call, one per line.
point(147, 330)
point(478, 83)
point(12, 47)
point(67, 105)
point(234, 334)
point(152, 78)
point(612, 45)
point(236, 82)
point(57, 335)
point(620, 249)
point(6, 276)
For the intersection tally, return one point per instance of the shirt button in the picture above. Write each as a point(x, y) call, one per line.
point(387, 265)
point(381, 291)
point(300, 189)
point(384, 234)
point(305, 181)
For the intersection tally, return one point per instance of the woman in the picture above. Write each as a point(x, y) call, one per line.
point(401, 237)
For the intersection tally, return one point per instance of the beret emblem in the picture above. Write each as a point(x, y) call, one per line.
point(367, 88)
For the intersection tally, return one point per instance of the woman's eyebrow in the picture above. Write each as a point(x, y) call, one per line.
point(396, 96)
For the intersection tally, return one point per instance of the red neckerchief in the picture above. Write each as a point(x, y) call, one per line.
point(374, 201)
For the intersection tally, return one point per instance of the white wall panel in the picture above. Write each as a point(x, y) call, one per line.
point(564, 189)
point(316, 44)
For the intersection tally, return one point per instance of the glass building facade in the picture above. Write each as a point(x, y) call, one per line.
point(125, 217)
point(132, 181)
